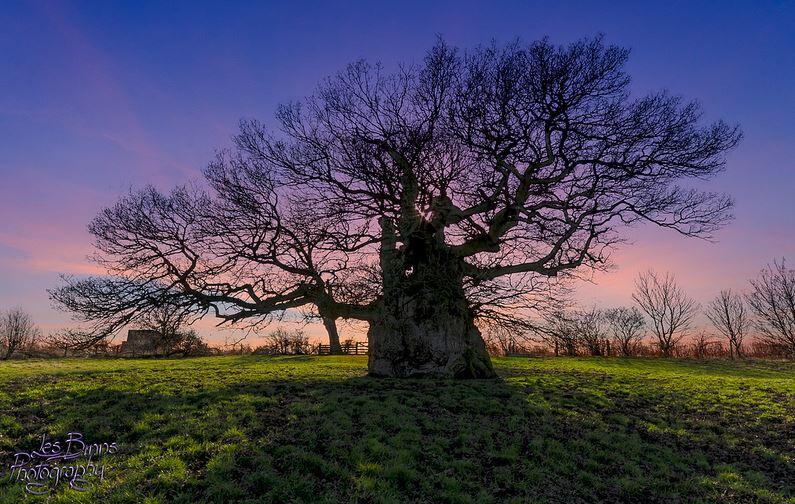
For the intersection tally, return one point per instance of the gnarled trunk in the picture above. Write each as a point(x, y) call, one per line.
point(418, 337)
point(424, 326)
point(333, 336)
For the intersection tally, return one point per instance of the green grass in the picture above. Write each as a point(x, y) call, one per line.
point(259, 429)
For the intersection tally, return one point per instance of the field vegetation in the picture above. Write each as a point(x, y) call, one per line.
point(317, 429)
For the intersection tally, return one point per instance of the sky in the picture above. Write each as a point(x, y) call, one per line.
point(100, 97)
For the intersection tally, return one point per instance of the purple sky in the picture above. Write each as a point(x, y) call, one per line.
point(98, 97)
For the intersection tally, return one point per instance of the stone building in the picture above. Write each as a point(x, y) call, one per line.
point(140, 342)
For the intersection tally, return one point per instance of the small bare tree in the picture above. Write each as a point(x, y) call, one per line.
point(627, 327)
point(284, 342)
point(728, 314)
point(703, 346)
point(560, 331)
point(670, 309)
point(592, 331)
point(17, 331)
point(190, 344)
point(772, 299)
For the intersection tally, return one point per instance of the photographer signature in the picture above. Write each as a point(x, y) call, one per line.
point(72, 460)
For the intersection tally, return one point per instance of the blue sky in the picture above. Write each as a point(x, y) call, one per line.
point(97, 97)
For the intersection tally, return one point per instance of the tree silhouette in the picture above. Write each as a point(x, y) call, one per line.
point(728, 314)
point(627, 326)
point(772, 299)
point(670, 309)
point(395, 197)
point(17, 332)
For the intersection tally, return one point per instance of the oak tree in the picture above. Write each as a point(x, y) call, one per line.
point(399, 197)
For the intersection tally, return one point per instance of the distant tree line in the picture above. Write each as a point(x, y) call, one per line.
point(757, 323)
point(662, 323)
point(20, 337)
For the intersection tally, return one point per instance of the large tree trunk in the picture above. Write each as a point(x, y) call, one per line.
point(422, 338)
point(425, 326)
point(333, 336)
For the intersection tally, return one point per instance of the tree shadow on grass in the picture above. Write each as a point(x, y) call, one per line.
point(291, 436)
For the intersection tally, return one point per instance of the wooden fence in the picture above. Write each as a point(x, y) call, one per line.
point(355, 348)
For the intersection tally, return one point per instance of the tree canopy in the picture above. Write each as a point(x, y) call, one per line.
point(415, 200)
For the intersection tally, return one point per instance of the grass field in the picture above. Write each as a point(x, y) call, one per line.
point(301, 429)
